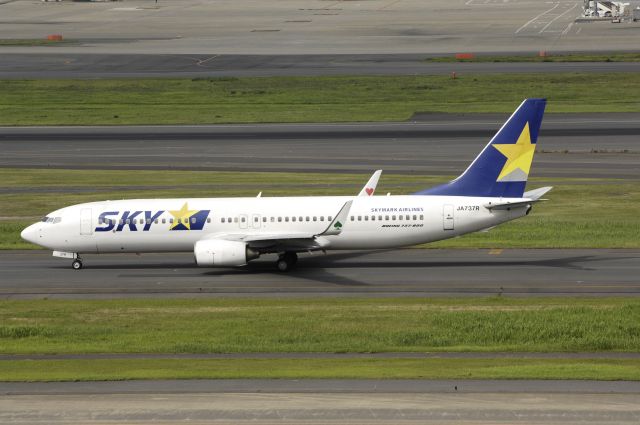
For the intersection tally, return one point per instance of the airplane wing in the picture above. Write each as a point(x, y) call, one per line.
point(292, 240)
point(370, 187)
point(529, 198)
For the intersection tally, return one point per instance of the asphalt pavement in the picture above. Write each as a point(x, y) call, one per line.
point(90, 65)
point(322, 402)
point(408, 272)
point(570, 145)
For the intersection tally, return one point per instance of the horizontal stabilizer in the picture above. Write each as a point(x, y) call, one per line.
point(537, 193)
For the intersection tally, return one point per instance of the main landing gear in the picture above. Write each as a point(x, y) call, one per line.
point(287, 261)
point(77, 264)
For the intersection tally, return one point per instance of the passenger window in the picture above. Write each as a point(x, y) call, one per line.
point(380, 218)
point(222, 220)
point(235, 219)
point(148, 221)
point(408, 217)
point(293, 219)
point(164, 220)
point(279, 219)
point(193, 220)
point(156, 221)
point(286, 219)
point(393, 217)
point(421, 217)
point(255, 219)
point(228, 219)
point(359, 218)
point(272, 219)
point(243, 219)
point(366, 218)
point(307, 218)
point(264, 219)
point(321, 218)
point(373, 218)
point(128, 221)
point(329, 218)
point(415, 217)
point(170, 221)
point(386, 217)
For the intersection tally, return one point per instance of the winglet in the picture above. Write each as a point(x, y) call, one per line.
point(335, 227)
point(370, 187)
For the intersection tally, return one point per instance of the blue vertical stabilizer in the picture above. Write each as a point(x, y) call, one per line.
point(502, 168)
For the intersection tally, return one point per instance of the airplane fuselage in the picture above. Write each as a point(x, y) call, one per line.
point(158, 225)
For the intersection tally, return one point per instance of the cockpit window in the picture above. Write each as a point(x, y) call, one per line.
point(52, 220)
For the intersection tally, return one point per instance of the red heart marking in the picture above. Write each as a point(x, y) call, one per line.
point(369, 191)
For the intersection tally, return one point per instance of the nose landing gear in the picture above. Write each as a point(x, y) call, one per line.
point(287, 261)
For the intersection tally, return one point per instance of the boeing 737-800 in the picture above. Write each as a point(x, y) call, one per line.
point(232, 231)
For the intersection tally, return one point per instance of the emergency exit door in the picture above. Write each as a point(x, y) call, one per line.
point(86, 222)
point(447, 217)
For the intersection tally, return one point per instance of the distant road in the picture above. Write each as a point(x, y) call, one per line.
point(87, 65)
point(570, 145)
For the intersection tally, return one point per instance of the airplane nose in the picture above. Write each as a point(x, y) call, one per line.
point(30, 234)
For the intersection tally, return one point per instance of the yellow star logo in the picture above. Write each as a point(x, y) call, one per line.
point(182, 216)
point(519, 155)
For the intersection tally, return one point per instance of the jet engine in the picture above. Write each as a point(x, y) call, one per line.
point(220, 253)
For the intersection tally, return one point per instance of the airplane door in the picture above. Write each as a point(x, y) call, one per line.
point(243, 221)
point(447, 217)
point(256, 223)
point(86, 222)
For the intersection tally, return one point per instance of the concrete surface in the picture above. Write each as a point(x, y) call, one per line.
point(312, 26)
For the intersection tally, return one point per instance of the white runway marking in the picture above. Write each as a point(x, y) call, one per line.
point(539, 16)
point(556, 18)
point(543, 22)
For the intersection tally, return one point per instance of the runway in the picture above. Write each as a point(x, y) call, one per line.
point(570, 145)
point(89, 65)
point(322, 401)
point(409, 272)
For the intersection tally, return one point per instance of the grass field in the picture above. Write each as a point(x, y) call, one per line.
point(33, 42)
point(342, 325)
point(326, 325)
point(579, 214)
point(583, 57)
point(92, 370)
point(302, 99)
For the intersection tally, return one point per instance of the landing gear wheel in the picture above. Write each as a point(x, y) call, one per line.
point(287, 261)
point(76, 265)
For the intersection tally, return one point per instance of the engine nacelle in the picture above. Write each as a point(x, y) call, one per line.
point(220, 253)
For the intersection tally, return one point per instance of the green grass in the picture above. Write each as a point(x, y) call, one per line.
point(91, 370)
point(32, 42)
point(580, 213)
point(326, 325)
point(302, 99)
point(582, 57)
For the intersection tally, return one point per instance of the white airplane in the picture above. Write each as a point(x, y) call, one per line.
point(232, 231)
